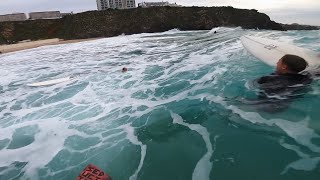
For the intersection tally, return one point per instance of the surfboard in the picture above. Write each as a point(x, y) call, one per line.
point(93, 172)
point(270, 51)
point(50, 82)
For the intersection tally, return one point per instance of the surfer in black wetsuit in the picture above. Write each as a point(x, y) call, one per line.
point(279, 88)
point(287, 78)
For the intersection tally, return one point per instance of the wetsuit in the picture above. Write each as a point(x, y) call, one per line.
point(283, 85)
point(278, 90)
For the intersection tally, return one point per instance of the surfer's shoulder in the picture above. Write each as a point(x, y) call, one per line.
point(265, 79)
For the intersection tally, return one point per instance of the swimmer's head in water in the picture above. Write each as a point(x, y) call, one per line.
point(124, 69)
point(291, 64)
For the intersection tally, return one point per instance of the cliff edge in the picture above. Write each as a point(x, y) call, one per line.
point(112, 22)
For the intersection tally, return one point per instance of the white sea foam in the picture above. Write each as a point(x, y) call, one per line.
point(306, 163)
point(105, 100)
point(204, 165)
point(134, 140)
point(299, 131)
point(47, 143)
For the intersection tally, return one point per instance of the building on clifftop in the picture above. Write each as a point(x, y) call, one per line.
point(154, 4)
point(13, 17)
point(115, 4)
point(45, 15)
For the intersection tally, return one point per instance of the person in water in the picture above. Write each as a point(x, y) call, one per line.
point(287, 78)
point(124, 69)
point(279, 88)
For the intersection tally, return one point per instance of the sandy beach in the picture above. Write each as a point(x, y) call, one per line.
point(34, 44)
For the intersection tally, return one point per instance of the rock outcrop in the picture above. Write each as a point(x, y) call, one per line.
point(113, 22)
point(299, 27)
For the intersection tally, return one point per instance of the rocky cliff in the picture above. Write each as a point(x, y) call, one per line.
point(299, 27)
point(11, 32)
point(139, 20)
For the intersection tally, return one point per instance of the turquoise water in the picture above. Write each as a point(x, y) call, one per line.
point(172, 116)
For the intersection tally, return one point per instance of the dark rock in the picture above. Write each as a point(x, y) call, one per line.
point(131, 21)
point(296, 26)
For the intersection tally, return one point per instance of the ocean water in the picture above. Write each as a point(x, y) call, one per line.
point(300, 16)
point(174, 115)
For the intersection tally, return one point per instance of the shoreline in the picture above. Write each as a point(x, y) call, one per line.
point(113, 22)
point(35, 44)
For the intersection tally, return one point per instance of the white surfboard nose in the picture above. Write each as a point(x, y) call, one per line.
point(270, 51)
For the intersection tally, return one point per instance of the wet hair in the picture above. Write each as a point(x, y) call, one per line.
point(124, 69)
point(294, 63)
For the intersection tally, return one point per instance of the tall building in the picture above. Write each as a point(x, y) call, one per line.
point(115, 4)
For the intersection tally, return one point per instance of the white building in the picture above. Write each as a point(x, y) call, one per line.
point(45, 15)
point(115, 4)
point(13, 17)
point(153, 4)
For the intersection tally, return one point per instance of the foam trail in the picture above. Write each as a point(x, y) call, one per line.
point(204, 166)
point(48, 141)
point(306, 163)
point(299, 131)
point(165, 69)
point(134, 140)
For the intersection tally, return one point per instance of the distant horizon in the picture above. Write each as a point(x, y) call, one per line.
point(289, 16)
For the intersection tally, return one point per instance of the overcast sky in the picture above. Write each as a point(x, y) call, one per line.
point(286, 10)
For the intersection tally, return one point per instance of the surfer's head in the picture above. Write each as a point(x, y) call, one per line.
point(124, 69)
point(291, 64)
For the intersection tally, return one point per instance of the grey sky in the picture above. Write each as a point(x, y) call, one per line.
point(10, 6)
point(307, 13)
